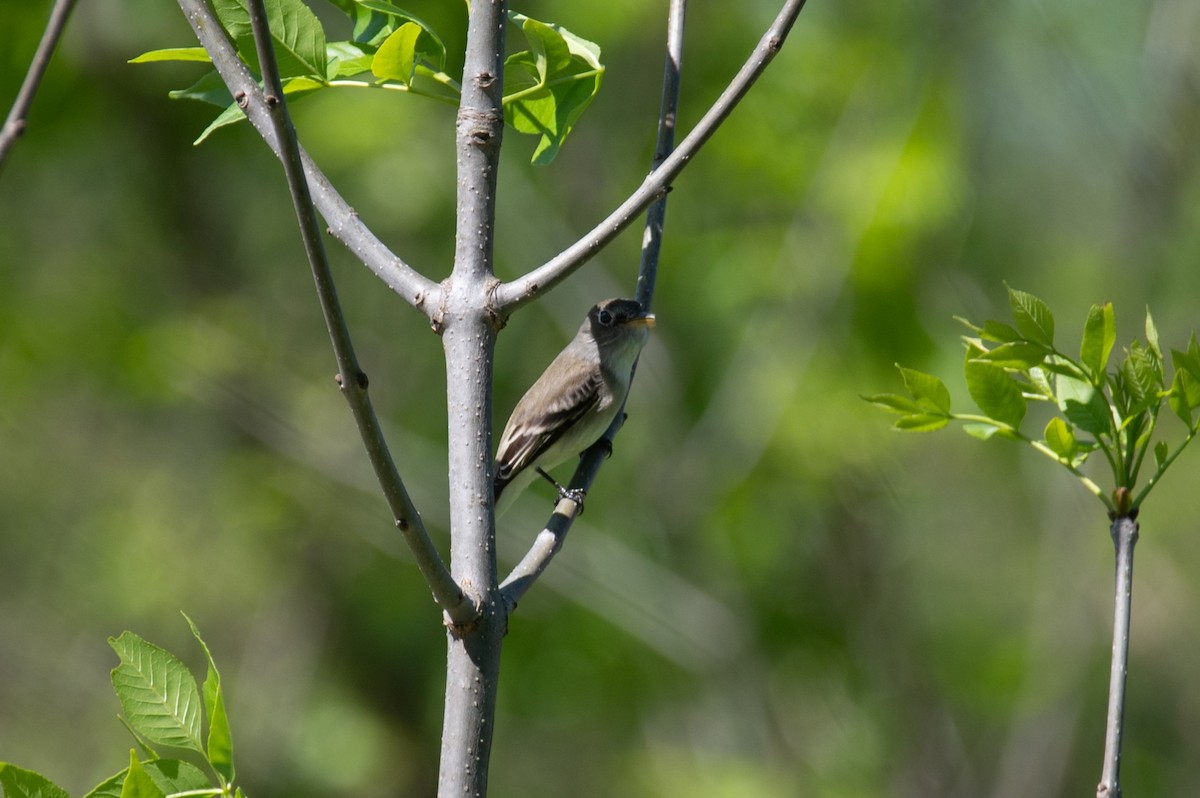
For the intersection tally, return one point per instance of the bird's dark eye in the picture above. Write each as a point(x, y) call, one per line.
point(605, 318)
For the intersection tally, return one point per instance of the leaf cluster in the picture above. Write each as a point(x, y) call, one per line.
point(549, 85)
point(163, 707)
point(1113, 411)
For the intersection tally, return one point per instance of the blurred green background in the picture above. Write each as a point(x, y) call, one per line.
point(771, 594)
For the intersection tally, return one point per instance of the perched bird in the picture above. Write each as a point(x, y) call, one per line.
point(574, 401)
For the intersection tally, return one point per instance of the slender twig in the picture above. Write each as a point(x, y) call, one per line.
point(522, 290)
point(1124, 532)
point(14, 125)
point(351, 378)
point(343, 221)
point(551, 538)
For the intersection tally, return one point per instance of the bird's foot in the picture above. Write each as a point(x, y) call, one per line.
point(576, 495)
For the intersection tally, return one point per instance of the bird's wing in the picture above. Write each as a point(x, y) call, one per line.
point(530, 431)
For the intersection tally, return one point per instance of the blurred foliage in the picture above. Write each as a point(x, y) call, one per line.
point(770, 594)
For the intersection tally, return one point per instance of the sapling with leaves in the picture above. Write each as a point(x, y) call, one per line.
point(1113, 411)
point(167, 715)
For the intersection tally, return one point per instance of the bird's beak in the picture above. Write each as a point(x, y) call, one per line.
point(643, 321)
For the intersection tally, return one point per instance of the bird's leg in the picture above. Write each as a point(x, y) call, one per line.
point(576, 495)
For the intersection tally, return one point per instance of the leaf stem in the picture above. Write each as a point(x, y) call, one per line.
point(545, 84)
point(1039, 446)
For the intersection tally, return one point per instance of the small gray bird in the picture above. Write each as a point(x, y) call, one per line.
point(575, 400)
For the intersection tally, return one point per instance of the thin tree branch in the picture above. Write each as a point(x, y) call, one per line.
point(1124, 534)
point(511, 295)
point(551, 538)
point(351, 379)
point(343, 221)
point(14, 125)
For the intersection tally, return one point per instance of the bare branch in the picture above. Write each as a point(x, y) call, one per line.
point(14, 125)
point(511, 295)
point(343, 221)
point(551, 538)
point(351, 378)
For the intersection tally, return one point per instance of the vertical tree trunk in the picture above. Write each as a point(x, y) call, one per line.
point(469, 338)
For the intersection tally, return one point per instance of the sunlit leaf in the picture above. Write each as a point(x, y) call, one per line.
point(1099, 335)
point(985, 431)
point(220, 737)
point(996, 331)
point(1032, 316)
point(1084, 406)
point(997, 394)
point(1152, 336)
point(196, 54)
point(1061, 439)
point(895, 403)
point(929, 391)
point(171, 775)
point(138, 783)
point(1017, 355)
point(1161, 452)
point(549, 85)
point(926, 422)
point(157, 693)
point(1184, 396)
point(20, 783)
point(1142, 370)
point(296, 33)
point(397, 56)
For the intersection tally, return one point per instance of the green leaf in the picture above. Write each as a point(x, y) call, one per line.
point(369, 26)
point(138, 783)
point(552, 83)
point(1032, 316)
point(1016, 355)
point(397, 56)
point(347, 58)
point(1187, 361)
point(997, 394)
point(1099, 335)
point(924, 422)
point(209, 89)
point(220, 736)
point(894, 403)
point(1161, 452)
point(1184, 396)
point(296, 33)
point(196, 54)
point(17, 782)
point(293, 89)
point(986, 431)
point(157, 693)
point(431, 45)
point(1061, 439)
point(1084, 406)
point(929, 391)
point(170, 775)
point(1143, 373)
point(995, 331)
point(1152, 335)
